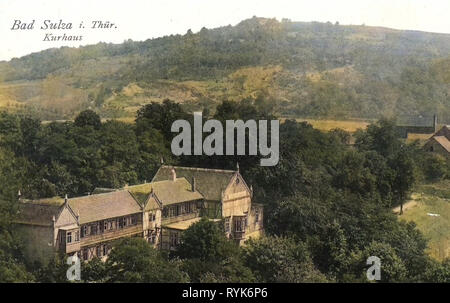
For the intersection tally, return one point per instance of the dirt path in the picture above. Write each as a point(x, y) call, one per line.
point(407, 205)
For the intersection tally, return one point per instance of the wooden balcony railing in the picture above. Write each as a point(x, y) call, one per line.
point(111, 235)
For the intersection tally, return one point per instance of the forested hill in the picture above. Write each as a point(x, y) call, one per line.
point(304, 69)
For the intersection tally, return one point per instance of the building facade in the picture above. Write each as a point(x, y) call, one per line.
point(439, 143)
point(226, 197)
point(158, 211)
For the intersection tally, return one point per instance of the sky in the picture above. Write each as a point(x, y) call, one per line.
point(144, 19)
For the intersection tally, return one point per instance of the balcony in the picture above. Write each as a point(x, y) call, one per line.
point(71, 247)
point(111, 235)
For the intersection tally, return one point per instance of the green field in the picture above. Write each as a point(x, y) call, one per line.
point(432, 199)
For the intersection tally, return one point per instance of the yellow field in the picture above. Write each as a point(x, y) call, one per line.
point(421, 137)
point(327, 125)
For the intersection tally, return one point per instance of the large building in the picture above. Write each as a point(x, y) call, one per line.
point(158, 211)
point(225, 196)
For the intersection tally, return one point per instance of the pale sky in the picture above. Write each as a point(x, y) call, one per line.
point(144, 19)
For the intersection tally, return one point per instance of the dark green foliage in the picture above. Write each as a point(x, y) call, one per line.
point(94, 271)
point(205, 241)
point(208, 256)
point(277, 259)
point(88, 118)
point(134, 260)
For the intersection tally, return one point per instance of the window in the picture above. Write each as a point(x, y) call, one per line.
point(124, 220)
point(83, 231)
point(99, 251)
point(105, 250)
point(111, 225)
point(120, 223)
point(178, 210)
point(133, 220)
point(105, 225)
point(239, 225)
point(165, 212)
point(227, 225)
point(77, 236)
point(256, 215)
point(188, 208)
point(69, 237)
point(94, 229)
point(173, 239)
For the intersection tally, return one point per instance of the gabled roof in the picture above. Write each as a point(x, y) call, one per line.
point(167, 191)
point(103, 206)
point(209, 182)
point(443, 141)
point(444, 131)
point(38, 212)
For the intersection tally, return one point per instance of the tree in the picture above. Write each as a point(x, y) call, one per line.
point(280, 259)
point(403, 166)
point(160, 116)
point(392, 267)
point(206, 241)
point(380, 137)
point(135, 260)
point(435, 167)
point(88, 118)
point(438, 272)
point(94, 271)
point(208, 256)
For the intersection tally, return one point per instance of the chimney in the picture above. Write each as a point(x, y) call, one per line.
point(193, 184)
point(161, 160)
point(19, 194)
point(237, 166)
point(174, 175)
point(435, 122)
point(66, 200)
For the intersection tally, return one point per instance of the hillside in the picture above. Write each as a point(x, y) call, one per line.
point(316, 70)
